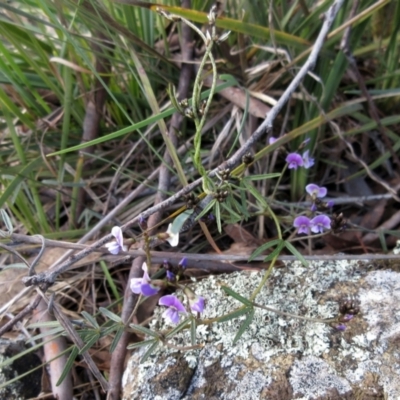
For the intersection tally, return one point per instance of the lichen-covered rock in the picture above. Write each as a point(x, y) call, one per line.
point(26, 387)
point(280, 357)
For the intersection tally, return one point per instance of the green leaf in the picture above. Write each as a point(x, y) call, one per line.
point(140, 344)
point(92, 321)
point(116, 339)
point(68, 365)
point(150, 351)
point(296, 253)
point(206, 209)
point(275, 252)
point(90, 342)
point(263, 176)
point(180, 220)
point(110, 314)
point(233, 315)
point(263, 247)
point(144, 331)
point(261, 199)
point(244, 326)
point(139, 125)
point(22, 175)
point(193, 327)
point(237, 296)
point(178, 328)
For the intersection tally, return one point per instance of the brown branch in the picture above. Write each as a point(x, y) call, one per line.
point(27, 310)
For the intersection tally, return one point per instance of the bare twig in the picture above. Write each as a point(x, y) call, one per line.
point(27, 310)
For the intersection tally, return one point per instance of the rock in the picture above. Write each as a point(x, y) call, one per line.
point(280, 357)
point(25, 387)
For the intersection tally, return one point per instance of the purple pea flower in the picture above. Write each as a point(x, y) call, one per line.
point(319, 223)
point(302, 224)
point(294, 160)
point(143, 285)
point(316, 191)
point(197, 303)
point(174, 308)
point(347, 317)
point(308, 162)
point(341, 327)
point(183, 263)
point(171, 276)
point(272, 140)
point(118, 245)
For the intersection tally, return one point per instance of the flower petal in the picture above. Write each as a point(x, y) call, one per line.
point(135, 285)
point(198, 305)
point(171, 301)
point(113, 247)
point(171, 315)
point(149, 290)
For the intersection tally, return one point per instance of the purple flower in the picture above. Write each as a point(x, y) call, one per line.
point(171, 276)
point(308, 162)
point(302, 224)
point(294, 160)
point(143, 285)
point(319, 223)
point(174, 308)
point(142, 223)
point(341, 327)
point(183, 263)
point(316, 191)
point(347, 317)
point(196, 302)
point(272, 140)
point(330, 203)
point(118, 245)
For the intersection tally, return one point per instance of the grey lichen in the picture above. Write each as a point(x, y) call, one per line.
point(313, 378)
point(271, 358)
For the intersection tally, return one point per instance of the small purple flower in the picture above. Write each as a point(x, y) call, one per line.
point(316, 191)
point(341, 327)
point(118, 245)
point(183, 263)
point(294, 160)
point(330, 203)
point(143, 285)
point(347, 317)
point(174, 308)
point(302, 224)
point(196, 302)
point(171, 276)
point(198, 305)
point(319, 223)
point(308, 162)
point(142, 223)
point(272, 140)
